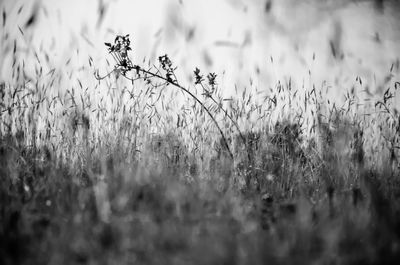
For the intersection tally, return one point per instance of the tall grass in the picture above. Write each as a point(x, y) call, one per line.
point(140, 175)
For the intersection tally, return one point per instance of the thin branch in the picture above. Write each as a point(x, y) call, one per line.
point(174, 83)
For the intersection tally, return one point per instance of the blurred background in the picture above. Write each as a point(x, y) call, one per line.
point(247, 43)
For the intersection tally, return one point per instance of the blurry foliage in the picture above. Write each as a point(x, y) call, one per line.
point(284, 177)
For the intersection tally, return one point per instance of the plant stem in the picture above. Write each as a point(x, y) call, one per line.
point(139, 69)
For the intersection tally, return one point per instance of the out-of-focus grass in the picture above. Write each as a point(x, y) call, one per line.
point(106, 199)
point(116, 173)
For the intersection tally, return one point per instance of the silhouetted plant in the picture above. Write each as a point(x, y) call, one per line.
point(165, 72)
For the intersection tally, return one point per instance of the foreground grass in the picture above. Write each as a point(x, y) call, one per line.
point(117, 174)
point(159, 209)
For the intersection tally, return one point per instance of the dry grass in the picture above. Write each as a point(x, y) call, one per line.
point(134, 176)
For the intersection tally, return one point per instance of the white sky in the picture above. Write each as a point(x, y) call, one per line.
point(235, 37)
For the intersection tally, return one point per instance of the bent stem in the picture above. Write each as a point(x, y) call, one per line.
point(139, 69)
point(169, 81)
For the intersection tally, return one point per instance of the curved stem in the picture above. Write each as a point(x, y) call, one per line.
point(97, 76)
point(138, 68)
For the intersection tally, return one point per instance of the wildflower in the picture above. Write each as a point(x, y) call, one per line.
point(199, 78)
point(165, 62)
point(211, 79)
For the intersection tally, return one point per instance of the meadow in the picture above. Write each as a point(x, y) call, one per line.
point(144, 169)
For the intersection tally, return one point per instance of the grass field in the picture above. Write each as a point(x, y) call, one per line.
point(123, 172)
